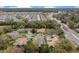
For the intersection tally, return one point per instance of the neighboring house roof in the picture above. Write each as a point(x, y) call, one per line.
point(20, 41)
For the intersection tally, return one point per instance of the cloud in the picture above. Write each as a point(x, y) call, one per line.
point(46, 3)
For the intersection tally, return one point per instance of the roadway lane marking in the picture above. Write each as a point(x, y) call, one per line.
point(75, 36)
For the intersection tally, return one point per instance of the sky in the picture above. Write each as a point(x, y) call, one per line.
point(40, 3)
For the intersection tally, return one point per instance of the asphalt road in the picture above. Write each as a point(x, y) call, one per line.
point(68, 33)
